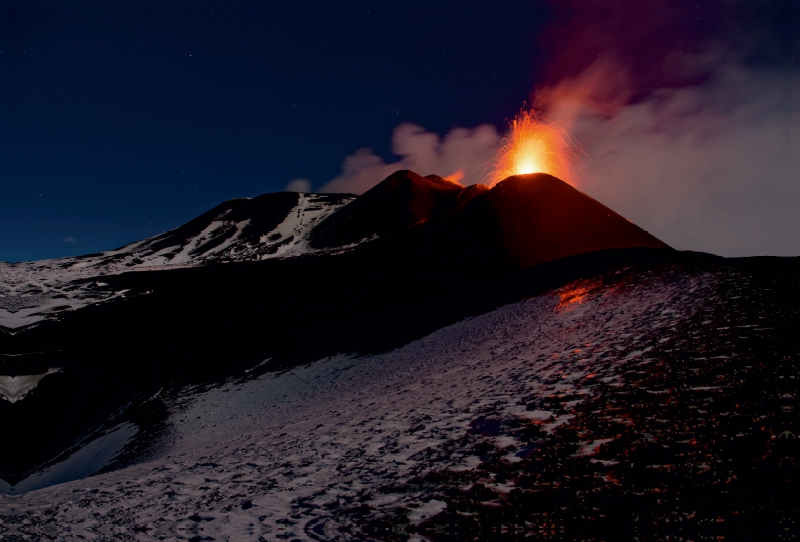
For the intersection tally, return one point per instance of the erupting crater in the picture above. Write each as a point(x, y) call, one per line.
point(535, 145)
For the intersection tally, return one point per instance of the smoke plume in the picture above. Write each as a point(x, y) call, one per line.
point(688, 116)
point(712, 167)
point(469, 151)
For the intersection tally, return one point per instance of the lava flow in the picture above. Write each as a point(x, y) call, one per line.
point(534, 145)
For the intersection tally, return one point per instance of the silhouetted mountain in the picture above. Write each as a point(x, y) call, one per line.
point(539, 218)
point(534, 218)
point(400, 202)
point(522, 221)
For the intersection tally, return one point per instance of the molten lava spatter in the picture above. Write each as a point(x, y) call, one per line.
point(534, 145)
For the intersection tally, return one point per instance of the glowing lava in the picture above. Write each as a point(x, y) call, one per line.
point(455, 177)
point(534, 145)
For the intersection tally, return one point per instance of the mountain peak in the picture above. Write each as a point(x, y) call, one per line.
point(402, 200)
point(542, 218)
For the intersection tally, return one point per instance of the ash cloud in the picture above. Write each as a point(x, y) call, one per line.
point(466, 150)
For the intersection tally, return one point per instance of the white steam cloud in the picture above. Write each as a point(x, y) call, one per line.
point(469, 151)
point(714, 168)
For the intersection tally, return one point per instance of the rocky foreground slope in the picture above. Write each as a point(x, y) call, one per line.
point(654, 400)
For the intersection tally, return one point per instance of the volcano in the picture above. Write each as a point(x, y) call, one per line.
point(524, 221)
point(532, 218)
point(424, 360)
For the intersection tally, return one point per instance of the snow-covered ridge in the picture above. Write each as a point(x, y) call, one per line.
point(34, 291)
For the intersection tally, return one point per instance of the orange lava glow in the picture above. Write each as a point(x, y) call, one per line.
point(576, 293)
point(455, 177)
point(534, 145)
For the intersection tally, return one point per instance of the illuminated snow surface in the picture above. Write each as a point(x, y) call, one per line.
point(34, 291)
point(323, 451)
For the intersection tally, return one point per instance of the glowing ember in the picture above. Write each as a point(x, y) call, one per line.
point(576, 294)
point(534, 145)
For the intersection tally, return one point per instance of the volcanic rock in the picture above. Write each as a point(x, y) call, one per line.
point(524, 220)
point(403, 200)
point(540, 218)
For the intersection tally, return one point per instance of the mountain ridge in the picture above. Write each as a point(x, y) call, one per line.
point(487, 223)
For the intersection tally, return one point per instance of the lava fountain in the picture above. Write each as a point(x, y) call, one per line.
point(534, 145)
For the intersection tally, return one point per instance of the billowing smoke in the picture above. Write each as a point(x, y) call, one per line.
point(468, 151)
point(712, 167)
point(688, 116)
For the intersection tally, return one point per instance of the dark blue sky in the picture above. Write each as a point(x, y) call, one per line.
point(119, 120)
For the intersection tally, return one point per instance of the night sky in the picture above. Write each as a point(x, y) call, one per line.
point(120, 120)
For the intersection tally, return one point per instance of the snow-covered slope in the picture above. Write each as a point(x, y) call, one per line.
point(303, 446)
point(573, 389)
point(269, 226)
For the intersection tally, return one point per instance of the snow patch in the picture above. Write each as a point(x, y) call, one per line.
point(15, 388)
point(86, 461)
point(426, 511)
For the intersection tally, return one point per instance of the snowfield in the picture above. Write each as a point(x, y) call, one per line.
point(324, 451)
